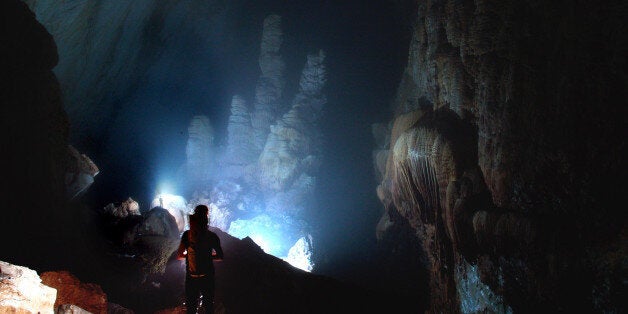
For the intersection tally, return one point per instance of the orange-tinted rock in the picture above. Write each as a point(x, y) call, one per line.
point(70, 290)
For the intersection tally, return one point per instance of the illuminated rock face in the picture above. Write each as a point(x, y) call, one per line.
point(269, 90)
point(176, 206)
point(22, 291)
point(159, 222)
point(502, 156)
point(286, 169)
point(289, 161)
point(300, 254)
point(273, 177)
point(199, 150)
point(241, 149)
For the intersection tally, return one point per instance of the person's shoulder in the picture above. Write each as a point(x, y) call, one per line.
point(212, 234)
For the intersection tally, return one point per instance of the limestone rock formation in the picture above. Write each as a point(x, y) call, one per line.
point(157, 239)
point(79, 174)
point(121, 222)
point(269, 90)
point(381, 134)
point(176, 206)
point(124, 209)
point(70, 309)
point(240, 157)
point(292, 146)
point(241, 149)
point(300, 254)
point(22, 291)
point(199, 162)
point(71, 291)
point(268, 168)
point(502, 156)
point(159, 222)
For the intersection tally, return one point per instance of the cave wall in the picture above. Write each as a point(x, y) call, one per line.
point(505, 150)
point(40, 170)
point(114, 53)
point(132, 75)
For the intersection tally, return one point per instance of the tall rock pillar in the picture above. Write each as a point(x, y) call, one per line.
point(268, 93)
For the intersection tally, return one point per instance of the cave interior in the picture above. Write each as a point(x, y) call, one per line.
point(400, 156)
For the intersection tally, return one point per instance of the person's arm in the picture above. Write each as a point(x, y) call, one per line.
point(219, 254)
point(182, 247)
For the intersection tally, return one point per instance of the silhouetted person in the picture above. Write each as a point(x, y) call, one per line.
point(196, 247)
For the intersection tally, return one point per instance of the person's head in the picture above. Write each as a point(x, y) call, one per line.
point(201, 210)
point(201, 213)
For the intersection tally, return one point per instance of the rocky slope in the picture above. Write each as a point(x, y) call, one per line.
point(504, 153)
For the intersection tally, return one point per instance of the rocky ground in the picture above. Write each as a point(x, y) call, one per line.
point(247, 281)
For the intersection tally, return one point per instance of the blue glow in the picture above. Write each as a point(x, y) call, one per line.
point(268, 234)
point(165, 188)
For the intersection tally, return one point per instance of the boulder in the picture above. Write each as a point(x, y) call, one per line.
point(80, 173)
point(70, 309)
point(159, 222)
point(175, 205)
point(124, 209)
point(158, 238)
point(22, 291)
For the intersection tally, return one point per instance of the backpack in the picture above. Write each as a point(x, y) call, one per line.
point(199, 260)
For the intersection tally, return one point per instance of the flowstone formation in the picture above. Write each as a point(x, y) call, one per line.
point(503, 155)
point(262, 182)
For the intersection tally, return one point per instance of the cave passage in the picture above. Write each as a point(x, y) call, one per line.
point(391, 156)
